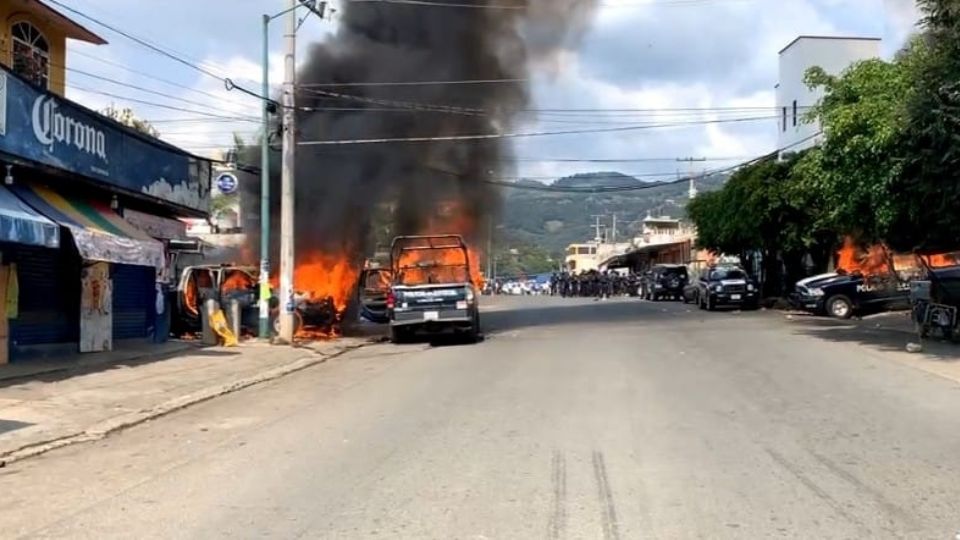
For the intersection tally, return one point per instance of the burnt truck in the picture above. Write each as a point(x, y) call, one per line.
point(228, 282)
point(432, 291)
point(842, 295)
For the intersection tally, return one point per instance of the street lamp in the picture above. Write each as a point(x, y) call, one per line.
point(270, 106)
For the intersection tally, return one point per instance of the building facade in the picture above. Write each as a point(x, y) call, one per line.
point(88, 206)
point(794, 98)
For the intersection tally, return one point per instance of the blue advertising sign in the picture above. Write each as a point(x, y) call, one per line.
point(44, 128)
point(227, 183)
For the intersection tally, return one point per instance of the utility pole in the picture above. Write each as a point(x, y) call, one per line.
point(693, 182)
point(264, 298)
point(490, 247)
point(287, 258)
point(597, 226)
point(613, 234)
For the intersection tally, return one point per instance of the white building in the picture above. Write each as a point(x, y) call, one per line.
point(794, 98)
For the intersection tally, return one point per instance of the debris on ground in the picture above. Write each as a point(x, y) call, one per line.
point(914, 347)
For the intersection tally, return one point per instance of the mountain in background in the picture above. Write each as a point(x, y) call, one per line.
point(550, 220)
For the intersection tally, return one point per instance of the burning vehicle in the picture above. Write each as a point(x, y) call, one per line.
point(351, 192)
point(935, 297)
point(372, 294)
point(220, 282)
point(864, 282)
point(227, 282)
point(432, 290)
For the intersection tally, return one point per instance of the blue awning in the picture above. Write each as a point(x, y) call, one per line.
point(23, 225)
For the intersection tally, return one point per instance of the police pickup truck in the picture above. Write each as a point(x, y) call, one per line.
point(841, 295)
point(432, 292)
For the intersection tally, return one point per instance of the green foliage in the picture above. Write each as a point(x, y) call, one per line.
point(524, 260)
point(928, 188)
point(554, 220)
point(762, 207)
point(127, 117)
point(861, 115)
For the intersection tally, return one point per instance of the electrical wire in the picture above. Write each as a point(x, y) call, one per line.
point(513, 7)
point(155, 104)
point(159, 50)
point(618, 189)
point(492, 136)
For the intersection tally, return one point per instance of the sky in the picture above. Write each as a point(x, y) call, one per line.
point(653, 55)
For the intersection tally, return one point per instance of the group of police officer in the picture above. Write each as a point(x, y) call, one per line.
point(593, 284)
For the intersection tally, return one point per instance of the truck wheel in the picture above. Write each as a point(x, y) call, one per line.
point(398, 335)
point(839, 307)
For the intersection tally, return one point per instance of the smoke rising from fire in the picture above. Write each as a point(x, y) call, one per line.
point(421, 187)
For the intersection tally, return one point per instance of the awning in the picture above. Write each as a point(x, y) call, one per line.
point(99, 233)
point(23, 225)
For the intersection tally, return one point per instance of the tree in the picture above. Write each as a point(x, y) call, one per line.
point(928, 187)
point(853, 171)
point(764, 208)
point(127, 117)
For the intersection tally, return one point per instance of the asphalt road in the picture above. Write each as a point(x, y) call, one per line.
point(574, 419)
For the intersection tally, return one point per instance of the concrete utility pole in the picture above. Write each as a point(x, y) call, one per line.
point(489, 247)
point(693, 182)
point(597, 226)
point(287, 259)
point(264, 297)
point(613, 233)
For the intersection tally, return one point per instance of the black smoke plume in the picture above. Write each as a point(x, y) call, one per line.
point(341, 189)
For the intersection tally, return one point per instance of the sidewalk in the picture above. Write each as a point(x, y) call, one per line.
point(77, 404)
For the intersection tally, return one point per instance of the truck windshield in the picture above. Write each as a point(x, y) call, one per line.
point(428, 266)
point(727, 273)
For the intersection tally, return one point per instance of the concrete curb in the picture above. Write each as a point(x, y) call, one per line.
point(111, 425)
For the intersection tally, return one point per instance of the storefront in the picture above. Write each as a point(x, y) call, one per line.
point(86, 278)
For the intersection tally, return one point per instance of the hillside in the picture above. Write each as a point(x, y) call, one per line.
point(553, 220)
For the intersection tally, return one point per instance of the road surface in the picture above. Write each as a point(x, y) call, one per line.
point(574, 419)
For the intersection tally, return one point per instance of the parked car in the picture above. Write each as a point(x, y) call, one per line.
point(726, 286)
point(842, 295)
point(664, 281)
point(689, 294)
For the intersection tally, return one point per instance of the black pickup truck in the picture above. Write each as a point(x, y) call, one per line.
point(432, 291)
point(841, 295)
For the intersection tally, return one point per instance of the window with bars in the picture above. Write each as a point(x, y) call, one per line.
point(31, 54)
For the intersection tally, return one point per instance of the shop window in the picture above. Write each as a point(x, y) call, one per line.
point(31, 54)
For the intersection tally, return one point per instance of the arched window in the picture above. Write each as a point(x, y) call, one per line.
point(31, 53)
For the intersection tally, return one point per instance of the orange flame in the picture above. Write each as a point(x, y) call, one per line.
point(322, 276)
point(870, 262)
point(237, 280)
point(418, 267)
point(451, 218)
point(941, 260)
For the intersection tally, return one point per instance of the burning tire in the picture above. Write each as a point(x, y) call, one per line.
point(297, 323)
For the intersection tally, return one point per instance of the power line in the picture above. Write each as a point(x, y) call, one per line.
point(150, 76)
point(412, 83)
point(514, 7)
point(617, 189)
point(153, 103)
point(490, 136)
point(159, 50)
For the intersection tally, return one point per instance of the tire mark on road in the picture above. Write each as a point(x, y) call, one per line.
point(834, 504)
point(611, 529)
point(557, 525)
point(891, 509)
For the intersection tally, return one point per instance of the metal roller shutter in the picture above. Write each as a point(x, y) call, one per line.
point(133, 301)
point(49, 303)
